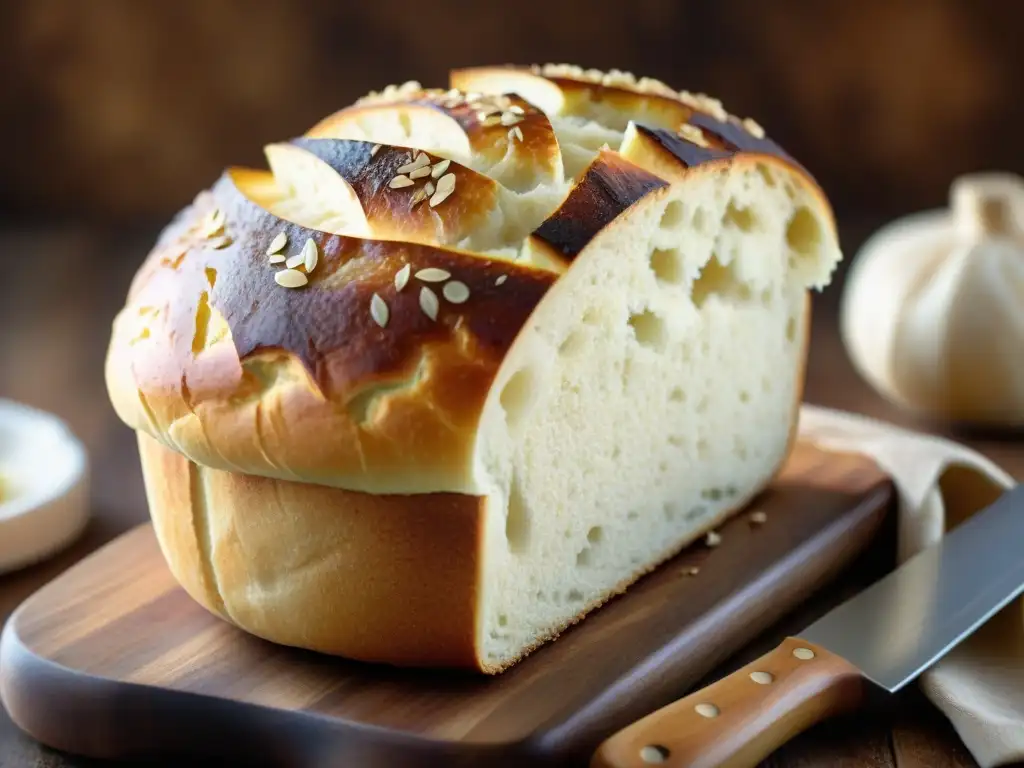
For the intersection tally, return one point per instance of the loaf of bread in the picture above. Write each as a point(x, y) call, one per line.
point(463, 364)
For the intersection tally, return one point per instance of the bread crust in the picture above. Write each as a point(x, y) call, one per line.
point(401, 214)
point(312, 416)
point(609, 186)
point(574, 94)
point(384, 578)
point(536, 157)
point(378, 578)
point(392, 579)
point(288, 389)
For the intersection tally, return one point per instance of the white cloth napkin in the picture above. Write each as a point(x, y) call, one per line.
point(979, 686)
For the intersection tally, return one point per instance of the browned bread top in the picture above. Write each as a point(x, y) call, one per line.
point(418, 230)
point(209, 338)
point(489, 129)
point(406, 213)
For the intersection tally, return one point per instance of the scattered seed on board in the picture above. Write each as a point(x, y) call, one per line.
point(401, 181)
point(713, 539)
point(290, 278)
point(429, 303)
point(277, 258)
point(295, 261)
point(438, 169)
point(445, 187)
point(421, 161)
point(379, 311)
point(310, 255)
point(402, 277)
point(501, 279)
point(455, 292)
point(374, 149)
point(758, 517)
point(433, 275)
point(220, 242)
point(693, 571)
point(277, 244)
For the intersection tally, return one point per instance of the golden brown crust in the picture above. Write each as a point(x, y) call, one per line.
point(655, 108)
point(388, 579)
point(488, 123)
point(370, 577)
point(170, 480)
point(406, 213)
point(651, 108)
point(575, 96)
point(384, 578)
point(309, 452)
point(199, 392)
point(338, 125)
point(215, 358)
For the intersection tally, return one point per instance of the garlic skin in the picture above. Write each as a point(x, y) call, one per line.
point(932, 312)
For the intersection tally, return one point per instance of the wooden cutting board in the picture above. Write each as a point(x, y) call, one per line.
point(113, 660)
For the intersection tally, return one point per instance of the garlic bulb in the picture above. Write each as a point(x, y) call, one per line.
point(932, 310)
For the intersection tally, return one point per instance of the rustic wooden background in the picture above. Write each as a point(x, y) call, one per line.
point(121, 109)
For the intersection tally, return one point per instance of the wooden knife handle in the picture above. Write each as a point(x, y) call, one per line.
point(741, 719)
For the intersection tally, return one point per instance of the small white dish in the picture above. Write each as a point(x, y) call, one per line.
point(43, 486)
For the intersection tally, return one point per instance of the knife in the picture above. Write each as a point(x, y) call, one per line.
point(882, 639)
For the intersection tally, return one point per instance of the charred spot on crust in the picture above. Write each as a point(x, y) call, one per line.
point(609, 186)
point(688, 153)
point(354, 161)
point(738, 139)
point(735, 137)
point(328, 324)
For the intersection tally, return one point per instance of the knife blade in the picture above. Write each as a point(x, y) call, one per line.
point(884, 637)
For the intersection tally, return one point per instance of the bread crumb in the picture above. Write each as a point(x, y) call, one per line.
point(713, 539)
point(758, 518)
point(692, 571)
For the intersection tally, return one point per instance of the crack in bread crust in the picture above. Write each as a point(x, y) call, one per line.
point(201, 528)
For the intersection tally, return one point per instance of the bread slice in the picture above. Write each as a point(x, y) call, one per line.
point(480, 415)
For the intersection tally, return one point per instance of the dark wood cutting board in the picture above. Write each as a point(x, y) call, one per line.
point(113, 660)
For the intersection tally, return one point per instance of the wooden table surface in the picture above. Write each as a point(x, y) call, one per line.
point(58, 293)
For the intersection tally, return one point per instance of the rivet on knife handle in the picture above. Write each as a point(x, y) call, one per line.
point(741, 719)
